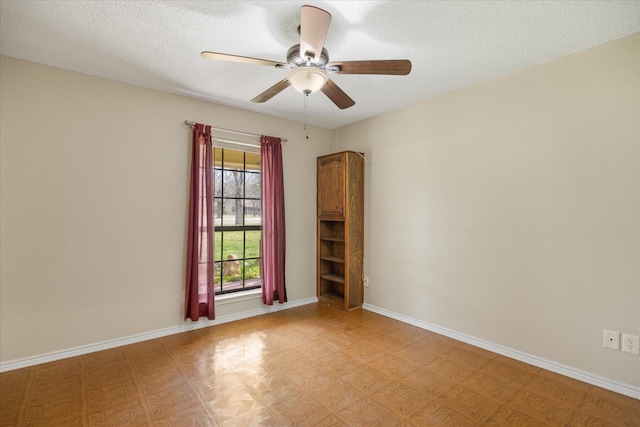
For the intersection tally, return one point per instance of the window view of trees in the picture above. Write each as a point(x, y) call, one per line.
point(238, 220)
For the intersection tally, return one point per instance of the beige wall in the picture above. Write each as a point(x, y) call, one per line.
point(510, 211)
point(93, 204)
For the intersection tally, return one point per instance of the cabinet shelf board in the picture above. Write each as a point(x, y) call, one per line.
point(333, 259)
point(332, 278)
point(332, 239)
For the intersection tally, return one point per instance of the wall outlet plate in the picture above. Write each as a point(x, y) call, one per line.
point(611, 339)
point(631, 344)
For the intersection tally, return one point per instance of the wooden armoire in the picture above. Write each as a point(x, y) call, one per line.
point(340, 230)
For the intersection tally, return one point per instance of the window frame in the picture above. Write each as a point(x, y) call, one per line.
point(220, 230)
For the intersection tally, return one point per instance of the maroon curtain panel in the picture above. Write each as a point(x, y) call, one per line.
point(273, 229)
point(199, 286)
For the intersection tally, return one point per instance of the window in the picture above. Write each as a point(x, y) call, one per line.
point(237, 219)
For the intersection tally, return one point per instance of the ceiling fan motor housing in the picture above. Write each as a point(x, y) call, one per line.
point(295, 60)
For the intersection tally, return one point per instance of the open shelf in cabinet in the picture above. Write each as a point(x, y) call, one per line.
point(331, 290)
point(331, 230)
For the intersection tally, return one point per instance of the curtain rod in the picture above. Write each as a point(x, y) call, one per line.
point(192, 124)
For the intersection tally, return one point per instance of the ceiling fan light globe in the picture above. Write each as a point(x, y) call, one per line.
point(307, 80)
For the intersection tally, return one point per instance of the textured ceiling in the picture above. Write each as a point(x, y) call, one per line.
point(452, 44)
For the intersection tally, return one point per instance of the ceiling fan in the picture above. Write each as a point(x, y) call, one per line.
point(309, 64)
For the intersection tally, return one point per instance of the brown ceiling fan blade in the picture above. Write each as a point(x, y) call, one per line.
point(242, 59)
point(397, 67)
point(335, 94)
point(314, 26)
point(272, 91)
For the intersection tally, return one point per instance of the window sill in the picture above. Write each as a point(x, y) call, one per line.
point(238, 296)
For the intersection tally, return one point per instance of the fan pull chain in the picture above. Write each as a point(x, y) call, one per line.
point(306, 114)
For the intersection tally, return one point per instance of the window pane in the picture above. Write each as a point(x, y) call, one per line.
point(216, 276)
point(252, 161)
point(252, 212)
point(231, 269)
point(252, 245)
point(252, 271)
point(233, 212)
point(232, 244)
point(230, 283)
point(218, 248)
point(217, 183)
point(252, 185)
point(217, 213)
point(233, 184)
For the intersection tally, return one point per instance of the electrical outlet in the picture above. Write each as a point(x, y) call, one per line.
point(631, 344)
point(611, 339)
point(365, 281)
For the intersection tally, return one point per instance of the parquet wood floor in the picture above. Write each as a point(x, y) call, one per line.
point(306, 366)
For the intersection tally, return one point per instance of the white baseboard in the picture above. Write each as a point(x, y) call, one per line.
point(118, 342)
point(558, 368)
point(568, 371)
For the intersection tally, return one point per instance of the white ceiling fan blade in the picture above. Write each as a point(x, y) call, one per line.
point(241, 59)
point(314, 26)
